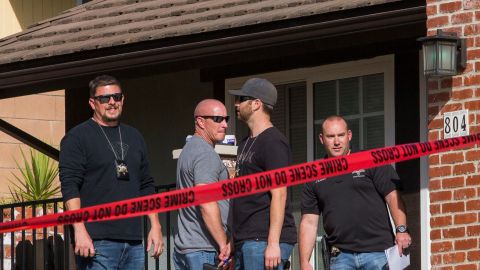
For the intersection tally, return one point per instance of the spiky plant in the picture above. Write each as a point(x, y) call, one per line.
point(37, 180)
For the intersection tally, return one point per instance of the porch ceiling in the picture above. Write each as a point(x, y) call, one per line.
point(112, 35)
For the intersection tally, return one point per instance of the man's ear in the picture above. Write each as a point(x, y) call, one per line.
point(91, 101)
point(320, 136)
point(200, 122)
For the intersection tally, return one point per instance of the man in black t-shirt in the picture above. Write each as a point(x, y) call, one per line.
point(354, 210)
point(263, 225)
point(102, 161)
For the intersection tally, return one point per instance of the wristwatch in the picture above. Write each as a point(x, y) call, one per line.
point(401, 229)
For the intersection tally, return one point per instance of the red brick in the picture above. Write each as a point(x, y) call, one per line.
point(444, 268)
point(463, 169)
point(465, 193)
point(465, 218)
point(434, 185)
point(437, 21)
point(453, 207)
point(462, 18)
point(451, 107)
point(434, 159)
point(471, 30)
point(450, 7)
point(433, 111)
point(435, 209)
point(453, 182)
point(435, 234)
point(450, 158)
point(471, 4)
point(443, 221)
point(456, 257)
point(440, 196)
point(431, 10)
point(473, 205)
point(472, 105)
point(473, 180)
point(473, 230)
point(432, 84)
point(437, 123)
point(472, 155)
point(446, 83)
point(436, 259)
point(465, 244)
point(473, 255)
point(457, 81)
point(472, 80)
point(466, 267)
point(473, 54)
point(477, 91)
point(441, 247)
point(454, 233)
point(440, 171)
point(462, 94)
point(433, 135)
point(439, 97)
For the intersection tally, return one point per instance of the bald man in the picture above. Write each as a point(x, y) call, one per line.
point(203, 233)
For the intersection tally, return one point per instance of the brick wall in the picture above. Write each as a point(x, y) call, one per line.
point(455, 175)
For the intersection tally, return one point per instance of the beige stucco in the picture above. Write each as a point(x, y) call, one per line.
point(42, 115)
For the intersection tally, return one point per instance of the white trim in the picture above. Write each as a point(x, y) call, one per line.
point(381, 64)
point(424, 192)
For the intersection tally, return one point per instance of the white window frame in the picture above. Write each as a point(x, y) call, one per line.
point(380, 64)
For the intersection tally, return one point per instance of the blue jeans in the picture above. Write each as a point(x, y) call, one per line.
point(250, 255)
point(348, 260)
point(115, 255)
point(193, 260)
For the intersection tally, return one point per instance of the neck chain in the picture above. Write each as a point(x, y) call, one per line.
point(243, 157)
point(111, 146)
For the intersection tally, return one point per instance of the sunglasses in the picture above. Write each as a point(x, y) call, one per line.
point(106, 98)
point(244, 98)
point(216, 118)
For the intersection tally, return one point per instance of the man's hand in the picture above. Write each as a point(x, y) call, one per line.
point(225, 258)
point(272, 256)
point(155, 240)
point(403, 240)
point(83, 243)
point(306, 266)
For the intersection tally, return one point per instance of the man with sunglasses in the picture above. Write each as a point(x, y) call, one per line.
point(263, 225)
point(102, 161)
point(203, 233)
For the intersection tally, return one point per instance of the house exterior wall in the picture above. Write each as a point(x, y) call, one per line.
point(455, 175)
point(42, 115)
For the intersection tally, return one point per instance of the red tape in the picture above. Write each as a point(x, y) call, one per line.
point(245, 185)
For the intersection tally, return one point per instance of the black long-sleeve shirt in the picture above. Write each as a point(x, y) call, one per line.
point(88, 171)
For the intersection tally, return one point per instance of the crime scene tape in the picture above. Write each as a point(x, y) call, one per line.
point(245, 185)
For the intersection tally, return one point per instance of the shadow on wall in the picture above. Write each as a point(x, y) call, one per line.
point(51, 257)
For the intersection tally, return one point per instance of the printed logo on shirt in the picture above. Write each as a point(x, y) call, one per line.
point(359, 173)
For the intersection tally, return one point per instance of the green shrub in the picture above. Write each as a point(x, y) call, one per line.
point(37, 181)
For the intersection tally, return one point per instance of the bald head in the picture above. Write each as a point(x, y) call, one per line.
point(210, 107)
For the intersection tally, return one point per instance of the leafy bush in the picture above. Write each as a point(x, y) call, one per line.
point(37, 181)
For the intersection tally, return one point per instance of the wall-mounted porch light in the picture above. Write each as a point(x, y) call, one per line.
point(443, 54)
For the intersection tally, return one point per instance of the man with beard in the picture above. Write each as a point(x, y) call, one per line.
point(102, 161)
point(263, 225)
point(203, 234)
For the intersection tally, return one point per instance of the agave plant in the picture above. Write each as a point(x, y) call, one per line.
point(37, 180)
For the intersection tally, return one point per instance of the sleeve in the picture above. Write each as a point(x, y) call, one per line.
point(309, 204)
point(206, 168)
point(385, 179)
point(72, 166)
point(147, 183)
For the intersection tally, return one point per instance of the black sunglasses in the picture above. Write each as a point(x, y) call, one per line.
point(216, 118)
point(106, 98)
point(244, 98)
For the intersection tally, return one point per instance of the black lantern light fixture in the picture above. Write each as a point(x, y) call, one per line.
point(443, 54)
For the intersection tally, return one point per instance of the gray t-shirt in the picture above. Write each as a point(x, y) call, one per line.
point(198, 164)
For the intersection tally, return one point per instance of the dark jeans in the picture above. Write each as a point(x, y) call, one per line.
point(250, 255)
point(114, 255)
point(193, 260)
point(348, 260)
